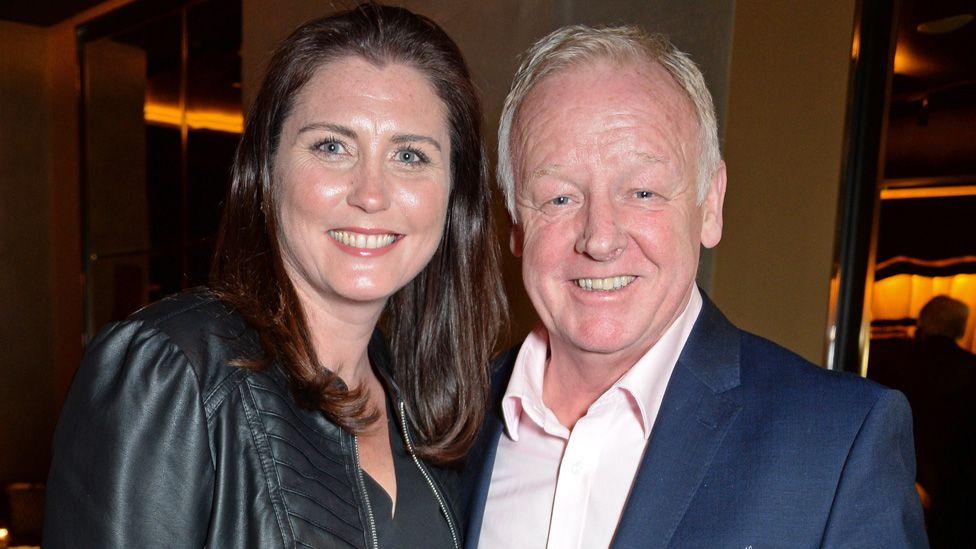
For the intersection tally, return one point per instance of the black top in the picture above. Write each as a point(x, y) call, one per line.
point(418, 521)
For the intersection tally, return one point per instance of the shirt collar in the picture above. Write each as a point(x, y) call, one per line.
point(644, 383)
point(524, 392)
point(647, 380)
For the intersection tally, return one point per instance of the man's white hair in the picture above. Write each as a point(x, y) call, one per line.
point(577, 45)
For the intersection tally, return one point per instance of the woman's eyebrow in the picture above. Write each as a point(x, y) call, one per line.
point(413, 138)
point(344, 131)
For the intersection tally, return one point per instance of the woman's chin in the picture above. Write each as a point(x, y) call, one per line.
point(364, 294)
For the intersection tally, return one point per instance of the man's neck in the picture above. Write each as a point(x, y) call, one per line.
point(570, 387)
point(575, 378)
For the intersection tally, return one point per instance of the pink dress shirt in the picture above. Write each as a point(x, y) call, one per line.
point(556, 488)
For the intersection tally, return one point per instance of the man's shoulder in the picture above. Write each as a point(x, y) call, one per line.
point(772, 373)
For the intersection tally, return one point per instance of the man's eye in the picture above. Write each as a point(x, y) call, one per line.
point(559, 201)
point(644, 195)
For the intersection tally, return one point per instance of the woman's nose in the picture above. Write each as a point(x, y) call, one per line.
point(370, 190)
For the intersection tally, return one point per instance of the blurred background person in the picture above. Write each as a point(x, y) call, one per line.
point(939, 379)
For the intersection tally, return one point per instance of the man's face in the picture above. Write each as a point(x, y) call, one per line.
point(608, 227)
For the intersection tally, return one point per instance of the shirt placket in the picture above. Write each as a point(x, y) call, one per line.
point(573, 484)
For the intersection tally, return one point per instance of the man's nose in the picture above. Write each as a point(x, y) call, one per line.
point(369, 189)
point(602, 237)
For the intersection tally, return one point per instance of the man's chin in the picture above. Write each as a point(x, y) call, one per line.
point(607, 342)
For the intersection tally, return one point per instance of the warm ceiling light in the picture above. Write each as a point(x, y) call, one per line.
point(945, 25)
point(928, 192)
point(170, 115)
point(907, 62)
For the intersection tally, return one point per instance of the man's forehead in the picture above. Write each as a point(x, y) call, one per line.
point(607, 77)
point(608, 91)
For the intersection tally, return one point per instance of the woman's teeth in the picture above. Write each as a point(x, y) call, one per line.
point(604, 284)
point(358, 240)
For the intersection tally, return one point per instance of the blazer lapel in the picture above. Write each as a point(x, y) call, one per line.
point(485, 448)
point(699, 405)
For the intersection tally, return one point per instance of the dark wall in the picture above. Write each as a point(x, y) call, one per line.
point(27, 396)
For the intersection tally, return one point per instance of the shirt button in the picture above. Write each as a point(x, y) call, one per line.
point(576, 468)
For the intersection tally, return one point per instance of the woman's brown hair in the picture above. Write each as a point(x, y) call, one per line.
point(441, 327)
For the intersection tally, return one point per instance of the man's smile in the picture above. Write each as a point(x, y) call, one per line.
point(608, 284)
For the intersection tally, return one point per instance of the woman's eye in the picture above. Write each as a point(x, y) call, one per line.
point(331, 147)
point(410, 156)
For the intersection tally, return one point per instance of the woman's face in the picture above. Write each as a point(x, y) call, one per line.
point(362, 173)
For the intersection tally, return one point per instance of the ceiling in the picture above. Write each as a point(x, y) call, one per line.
point(927, 62)
point(932, 117)
point(42, 12)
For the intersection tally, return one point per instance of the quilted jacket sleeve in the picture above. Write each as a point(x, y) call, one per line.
point(132, 464)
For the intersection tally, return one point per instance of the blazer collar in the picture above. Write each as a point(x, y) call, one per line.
point(712, 351)
point(700, 404)
point(481, 460)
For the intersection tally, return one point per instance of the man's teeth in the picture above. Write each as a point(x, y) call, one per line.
point(604, 284)
point(358, 240)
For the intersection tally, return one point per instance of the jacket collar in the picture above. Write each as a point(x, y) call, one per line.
point(701, 402)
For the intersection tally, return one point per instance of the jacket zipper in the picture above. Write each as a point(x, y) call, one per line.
point(430, 481)
point(373, 537)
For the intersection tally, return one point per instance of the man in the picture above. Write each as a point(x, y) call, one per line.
point(939, 380)
point(637, 416)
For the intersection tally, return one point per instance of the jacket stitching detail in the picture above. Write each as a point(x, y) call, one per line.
point(317, 481)
point(317, 503)
point(322, 527)
point(220, 391)
point(290, 405)
point(304, 454)
point(300, 432)
point(263, 451)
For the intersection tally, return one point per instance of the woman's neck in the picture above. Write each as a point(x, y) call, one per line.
point(340, 331)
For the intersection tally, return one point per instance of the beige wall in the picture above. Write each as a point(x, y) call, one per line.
point(492, 35)
point(786, 107)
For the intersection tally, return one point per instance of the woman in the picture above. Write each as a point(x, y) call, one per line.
point(267, 411)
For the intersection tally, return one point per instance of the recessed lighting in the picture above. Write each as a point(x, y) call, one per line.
point(945, 25)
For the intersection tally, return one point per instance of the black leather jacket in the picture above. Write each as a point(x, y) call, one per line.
point(163, 443)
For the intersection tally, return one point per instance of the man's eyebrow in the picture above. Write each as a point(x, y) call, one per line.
point(545, 170)
point(649, 157)
point(413, 138)
point(339, 129)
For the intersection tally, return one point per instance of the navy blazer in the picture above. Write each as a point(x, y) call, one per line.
point(754, 447)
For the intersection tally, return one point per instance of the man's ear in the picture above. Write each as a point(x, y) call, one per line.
point(711, 231)
point(515, 239)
